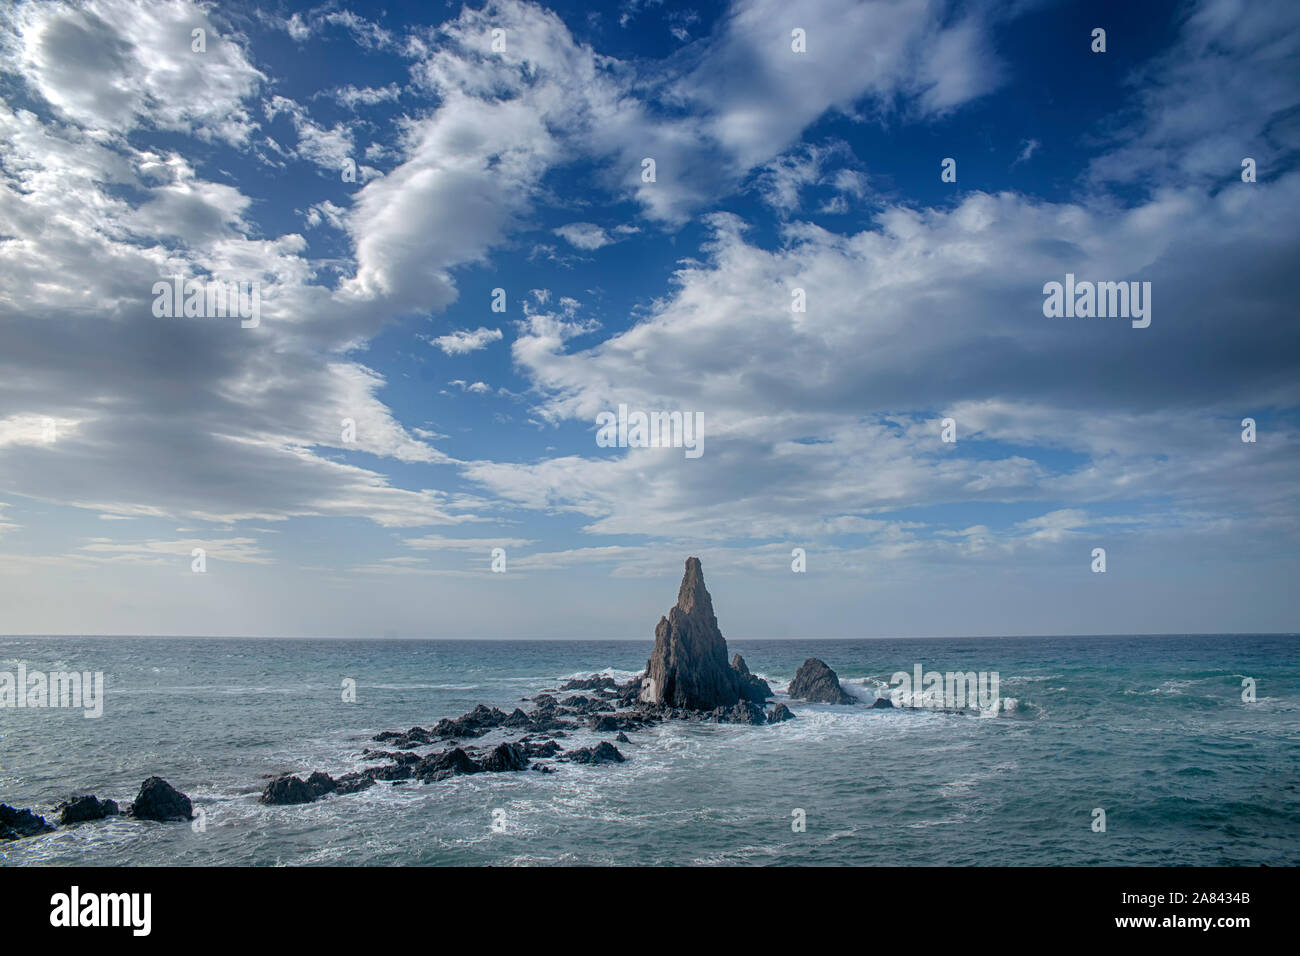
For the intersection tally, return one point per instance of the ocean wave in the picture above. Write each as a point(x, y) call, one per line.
point(622, 676)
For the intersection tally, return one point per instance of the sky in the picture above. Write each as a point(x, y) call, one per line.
point(462, 259)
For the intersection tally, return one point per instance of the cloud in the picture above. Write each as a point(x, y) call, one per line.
point(1027, 149)
point(328, 148)
point(463, 342)
point(583, 235)
point(935, 312)
point(435, 542)
point(177, 552)
point(114, 65)
point(1224, 90)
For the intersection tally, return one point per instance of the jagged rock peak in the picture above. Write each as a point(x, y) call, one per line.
point(688, 667)
point(693, 596)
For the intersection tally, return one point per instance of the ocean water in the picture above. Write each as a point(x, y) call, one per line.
point(1153, 730)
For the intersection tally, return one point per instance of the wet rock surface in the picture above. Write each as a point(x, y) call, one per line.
point(16, 823)
point(688, 666)
point(159, 800)
point(817, 683)
point(86, 808)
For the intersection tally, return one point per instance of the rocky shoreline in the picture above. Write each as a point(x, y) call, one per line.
point(687, 677)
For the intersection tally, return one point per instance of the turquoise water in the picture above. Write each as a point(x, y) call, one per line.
point(1152, 730)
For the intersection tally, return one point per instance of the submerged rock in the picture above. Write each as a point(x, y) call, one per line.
point(84, 808)
point(604, 752)
point(405, 740)
point(688, 666)
point(779, 713)
point(742, 712)
point(159, 800)
point(594, 682)
point(16, 823)
point(816, 682)
point(882, 703)
point(353, 783)
point(548, 749)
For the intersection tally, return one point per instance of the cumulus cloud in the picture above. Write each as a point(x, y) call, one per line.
point(464, 342)
point(113, 65)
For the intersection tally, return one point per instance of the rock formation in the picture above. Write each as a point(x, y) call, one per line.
point(688, 667)
point(159, 800)
point(779, 713)
point(15, 823)
point(84, 808)
point(752, 688)
point(287, 790)
point(816, 682)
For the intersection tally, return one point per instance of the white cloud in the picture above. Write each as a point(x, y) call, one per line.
point(584, 235)
point(463, 342)
point(113, 65)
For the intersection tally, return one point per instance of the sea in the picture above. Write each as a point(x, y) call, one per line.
point(1150, 751)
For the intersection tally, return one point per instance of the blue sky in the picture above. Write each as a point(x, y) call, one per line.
point(128, 440)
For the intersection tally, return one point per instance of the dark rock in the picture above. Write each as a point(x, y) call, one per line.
point(630, 692)
point(779, 713)
point(816, 682)
point(322, 783)
point(353, 783)
point(591, 683)
point(517, 719)
point(604, 724)
point(159, 800)
point(15, 823)
point(548, 749)
point(286, 791)
point(882, 703)
point(414, 737)
point(752, 688)
point(688, 665)
point(742, 712)
point(396, 756)
point(505, 757)
point(586, 705)
point(604, 752)
point(449, 763)
point(474, 724)
point(622, 738)
point(82, 809)
point(392, 771)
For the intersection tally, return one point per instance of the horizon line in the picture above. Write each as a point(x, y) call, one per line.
point(607, 640)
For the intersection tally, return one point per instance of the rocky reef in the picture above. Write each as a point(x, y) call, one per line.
point(157, 800)
point(687, 678)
